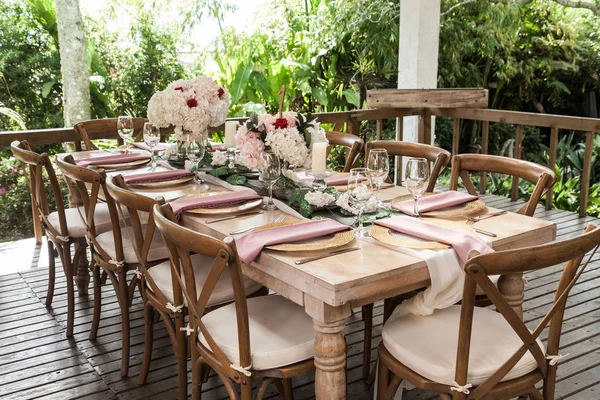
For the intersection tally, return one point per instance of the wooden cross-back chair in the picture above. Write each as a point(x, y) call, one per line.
point(267, 339)
point(353, 144)
point(62, 227)
point(496, 356)
point(160, 289)
point(438, 157)
point(543, 177)
point(108, 126)
point(114, 251)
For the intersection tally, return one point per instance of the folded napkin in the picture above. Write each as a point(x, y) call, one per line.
point(218, 200)
point(435, 202)
point(114, 159)
point(157, 148)
point(338, 180)
point(461, 241)
point(250, 245)
point(161, 176)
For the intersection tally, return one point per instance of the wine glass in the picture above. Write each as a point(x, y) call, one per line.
point(270, 171)
point(379, 164)
point(360, 190)
point(417, 179)
point(151, 138)
point(195, 152)
point(125, 129)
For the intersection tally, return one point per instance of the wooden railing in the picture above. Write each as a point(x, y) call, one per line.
point(351, 121)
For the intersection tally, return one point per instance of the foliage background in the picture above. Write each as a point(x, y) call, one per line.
point(541, 57)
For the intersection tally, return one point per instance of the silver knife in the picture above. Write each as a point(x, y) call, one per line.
point(333, 253)
point(210, 221)
point(492, 234)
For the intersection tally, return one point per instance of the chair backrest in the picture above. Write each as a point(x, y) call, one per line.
point(95, 180)
point(182, 242)
point(87, 130)
point(37, 163)
point(439, 157)
point(543, 177)
point(478, 269)
point(352, 143)
point(141, 221)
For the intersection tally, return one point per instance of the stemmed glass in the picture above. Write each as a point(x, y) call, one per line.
point(151, 138)
point(270, 171)
point(195, 153)
point(125, 129)
point(417, 179)
point(360, 190)
point(379, 164)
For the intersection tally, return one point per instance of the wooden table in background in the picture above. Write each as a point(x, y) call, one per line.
point(329, 288)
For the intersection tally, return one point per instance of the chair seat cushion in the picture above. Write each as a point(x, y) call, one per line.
point(223, 292)
point(428, 345)
point(494, 278)
point(158, 249)
point(75, 224)
point(281, 333)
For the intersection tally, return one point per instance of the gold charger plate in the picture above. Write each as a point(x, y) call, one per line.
point(221, 210)
point(470, 209)
point(386, 235)
point(320, 243)
point(164, 183)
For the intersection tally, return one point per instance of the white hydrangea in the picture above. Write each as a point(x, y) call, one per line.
point(190, 106)
point(319, 199)
point(344, 202)
point(289, 145)
point(219, 158)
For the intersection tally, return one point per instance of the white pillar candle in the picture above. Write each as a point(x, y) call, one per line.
point(230, 131)
point(319, 157)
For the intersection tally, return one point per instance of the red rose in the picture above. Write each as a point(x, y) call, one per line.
point(221, 92)
point(179, 88)
point(281, 123)
point(192, 103)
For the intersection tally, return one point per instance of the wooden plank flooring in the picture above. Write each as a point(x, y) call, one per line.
point(38, 361)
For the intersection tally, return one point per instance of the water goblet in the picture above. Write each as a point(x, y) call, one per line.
point(360, 190)
point(270, 171)
point(125, 129)
point(195, 153)
point(417, 179)
point(379, 164)
point(152, 139)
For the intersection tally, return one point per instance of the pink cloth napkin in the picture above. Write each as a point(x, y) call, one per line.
point(461, 241)
point(216, 146)
point(144, 146)
point(218, 200)
point(114, 159)
point(251, 244)
point(161, 176)
point(435, 202)
point(338, 180)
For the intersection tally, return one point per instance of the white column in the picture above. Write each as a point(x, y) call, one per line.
point(418, 52)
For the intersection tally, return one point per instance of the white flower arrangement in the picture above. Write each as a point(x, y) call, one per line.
point(219, 158)
point(191, 106)
point(289, 137)
point(319, 199)
point(344, 202)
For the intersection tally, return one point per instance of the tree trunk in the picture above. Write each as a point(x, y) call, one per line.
point(73, 62)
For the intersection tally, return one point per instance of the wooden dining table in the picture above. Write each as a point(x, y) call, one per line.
point(331, 287)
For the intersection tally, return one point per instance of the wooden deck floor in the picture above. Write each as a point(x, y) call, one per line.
point(38, 361)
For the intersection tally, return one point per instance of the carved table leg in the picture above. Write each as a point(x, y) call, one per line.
point(330, 360)
point(512, 287)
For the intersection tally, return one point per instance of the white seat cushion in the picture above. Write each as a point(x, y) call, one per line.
point(75, 224)
point(428, 345)
point(494, 278)
point(158, 249)
point(223, 291)
point(281, 333)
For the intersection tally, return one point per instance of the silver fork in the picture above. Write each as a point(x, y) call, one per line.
point(280, 219)
point(480, 217)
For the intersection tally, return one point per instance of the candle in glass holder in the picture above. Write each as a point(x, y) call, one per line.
point(230, 130)
point(319, 157)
